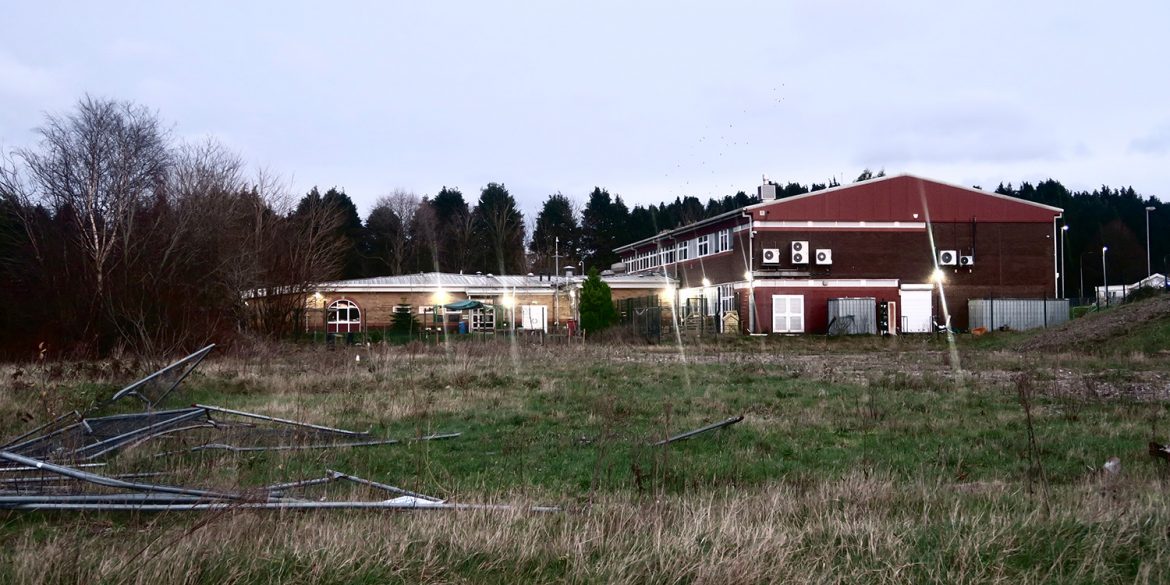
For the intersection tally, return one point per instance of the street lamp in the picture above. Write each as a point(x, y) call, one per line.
point(1104, 275)
point(1063, 247)
point(1149, 268)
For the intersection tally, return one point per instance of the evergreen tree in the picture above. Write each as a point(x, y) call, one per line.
point(350, 229)
point(402, 323)
point(383, 231)
point(597, 311)
point(499, 232)
point(603, 228)
point(454, 237)
point(555, 220)
point(642, 224)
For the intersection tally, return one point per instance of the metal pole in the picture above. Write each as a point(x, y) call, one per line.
point(381, 486)
point(1105, 274)
point(280, 420)
point(1063, 253)
point(1149, 267)
point(1082, 275)
point(689, 434)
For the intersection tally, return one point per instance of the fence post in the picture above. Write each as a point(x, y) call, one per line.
point(991, 309)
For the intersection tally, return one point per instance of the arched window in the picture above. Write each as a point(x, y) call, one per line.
point(343, 317)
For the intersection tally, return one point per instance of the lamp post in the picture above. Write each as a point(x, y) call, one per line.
point(1104, 275)
point(556, 285)
point(1063, 274)
point(1149, 267)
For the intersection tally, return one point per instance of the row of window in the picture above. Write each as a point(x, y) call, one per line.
point(697, 247)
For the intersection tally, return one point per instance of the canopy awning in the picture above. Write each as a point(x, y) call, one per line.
point(464, 305)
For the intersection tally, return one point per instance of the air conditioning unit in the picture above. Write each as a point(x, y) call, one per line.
point(948, 257)
point(771, 255)
point(966, 260)
point(800, 252)
point(824, 256)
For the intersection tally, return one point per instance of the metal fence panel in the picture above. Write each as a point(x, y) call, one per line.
point(863, 311)
point(1017, 314)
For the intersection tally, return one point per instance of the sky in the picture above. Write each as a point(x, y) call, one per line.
point(651, 100)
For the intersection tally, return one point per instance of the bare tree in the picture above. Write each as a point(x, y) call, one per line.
point(101, 163)
point(389, 229)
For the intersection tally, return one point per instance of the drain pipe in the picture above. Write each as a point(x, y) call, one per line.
point(751, 277)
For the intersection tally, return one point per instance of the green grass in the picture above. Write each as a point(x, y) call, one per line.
point(902, 474)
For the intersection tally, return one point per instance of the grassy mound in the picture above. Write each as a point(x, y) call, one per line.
point(1143, 325)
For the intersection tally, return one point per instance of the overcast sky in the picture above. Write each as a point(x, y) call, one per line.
point(650, 99)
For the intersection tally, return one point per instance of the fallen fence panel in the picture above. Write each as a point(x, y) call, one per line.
point(411, 504)
point(110, 482)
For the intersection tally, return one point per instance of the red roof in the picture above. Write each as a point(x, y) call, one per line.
point(899, 198)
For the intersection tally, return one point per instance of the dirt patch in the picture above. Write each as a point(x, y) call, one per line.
point(1095, 329)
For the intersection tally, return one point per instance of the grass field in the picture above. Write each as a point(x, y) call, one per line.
point(858, 461)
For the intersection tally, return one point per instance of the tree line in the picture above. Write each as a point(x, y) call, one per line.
point(113, 234)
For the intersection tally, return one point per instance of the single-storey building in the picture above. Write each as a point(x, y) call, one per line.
point(913, 249)
point(439, 300)
point(1119, 292)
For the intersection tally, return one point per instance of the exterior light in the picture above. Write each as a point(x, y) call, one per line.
point(748, 276)
point(508, 302)
point(440, 298)
point(706, 282)
point(667, 295)
point(938, 276)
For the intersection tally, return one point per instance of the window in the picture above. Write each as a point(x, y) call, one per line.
point(343, 317)
point(724, 243)
point(704, 245)
point(787, 314)
point(682, 251)
point(726, 298)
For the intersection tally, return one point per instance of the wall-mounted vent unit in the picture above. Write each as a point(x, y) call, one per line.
point(948, 258)
point(966, 260)
point(800, 252)
point(824, 256)
point(771, 255)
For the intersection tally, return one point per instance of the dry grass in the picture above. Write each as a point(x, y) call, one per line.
point(829, 479)
point(859, 528)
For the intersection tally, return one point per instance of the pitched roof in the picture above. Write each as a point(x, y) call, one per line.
point(833, 200)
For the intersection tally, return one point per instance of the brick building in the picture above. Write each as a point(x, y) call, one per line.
point(532, 302)
point(917, 248)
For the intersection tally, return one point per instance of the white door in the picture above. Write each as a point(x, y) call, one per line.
point(917, 308)
point(534, 317)
point(787, 313)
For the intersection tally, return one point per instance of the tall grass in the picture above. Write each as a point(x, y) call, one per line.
point(858, 466)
